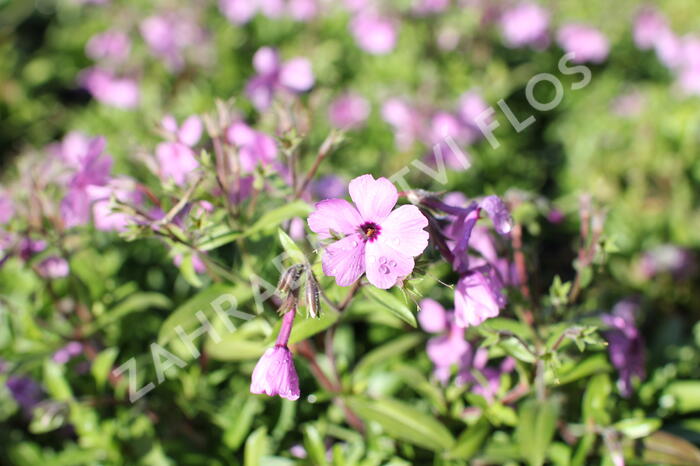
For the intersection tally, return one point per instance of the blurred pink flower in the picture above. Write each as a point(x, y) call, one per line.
point(110, 45)
point(406, 121)
point(377, 241)
point(374, 34)
point(649, 25)
point(586, 43)
point(348, 111)
point(176, 162)
point(108, 89)
point(526, 24)
point(188, 134)
point(295, 76)
point(478, 296)
point(7, 208)
point(53, 267)
point(254, 147)
point(427, 7)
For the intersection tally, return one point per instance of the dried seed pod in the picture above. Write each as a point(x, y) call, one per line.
point(289, 281)
point(312, 295)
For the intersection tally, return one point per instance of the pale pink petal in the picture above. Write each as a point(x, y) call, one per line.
point(334, 215)
point(432, 316)
point(373, 198)
point(385, 265)
point(266, 60)
point(403, 230)
point(169, 124)
point(190, 131)
point(345, 260)
point(297, 75)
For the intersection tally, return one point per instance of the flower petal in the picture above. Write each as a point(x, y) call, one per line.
point(385, 265)
point(345, 260)
point(334, 215)
point(403, 230)
point(373, 198)
point(432, 316)
point(190, 131)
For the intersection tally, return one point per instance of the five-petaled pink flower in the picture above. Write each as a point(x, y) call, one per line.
point(376, 240)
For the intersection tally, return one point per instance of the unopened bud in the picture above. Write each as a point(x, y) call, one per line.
point(289, 281)
point(313, 303)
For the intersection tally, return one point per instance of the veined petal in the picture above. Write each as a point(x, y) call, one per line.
point(334, 215)
point(385, 265)
point(373, 198)
point(345, 259)
point(403, 230)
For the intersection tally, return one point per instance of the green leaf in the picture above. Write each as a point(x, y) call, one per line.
point(185, 315)
point(470, 441)
point(188, 272)
point(592, 365)
point(392, 304)
point(306, 328)
point(55, 382)
point(535, 430)
point(313, 442)
point(291, 248)
point(269, 220)
point(638, 428)
point(404, 422)
point(102, 366)
point(256, 447)
point(136, 302)
point(385, 352)
point(686, 393)
point(664, 448)
point(595, 400)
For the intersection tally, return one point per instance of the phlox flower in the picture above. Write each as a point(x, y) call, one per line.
point(586, 43)
point(176, 159)
point(294, 75)
point(377, 241)
point(625, 345)
point(110, 45)
point(348, 111)
point(478, 296)
point(374, 34)
point(526, 24)
point(447, 349)
point(109, 89)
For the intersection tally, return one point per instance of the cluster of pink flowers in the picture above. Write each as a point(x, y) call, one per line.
point(681, 54)
point(242, 11)
point(437, 129)
point(450, 349)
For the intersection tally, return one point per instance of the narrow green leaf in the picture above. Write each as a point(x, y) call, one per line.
point(391, 303)
point(686, 393)
point(313, 442)
point(535, 430)
point(290, 247)
point(256, 447)
point(638, 428)
point(404, 422)
point(55, 382)
point(470, 441)
point(102, 366)
point(385, 352)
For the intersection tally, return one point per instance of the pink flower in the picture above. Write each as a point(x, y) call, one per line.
point(649, 25)
point(275, 374)
point(478, 296)
point(586, 43)
point(526, 24)
point(374, 34)
point(168, 36)
point(53, 267)
point(254, 147)
point(188, 134)
point(109, 89)
point(175, 161)
point(376, 240)
point(348, 111)
point(406, 121)
point(103, 216)
point(110, 45)
point(7, 209)
point(238, 11)
point(294, 76)
point(444, 350)
point(426, 7)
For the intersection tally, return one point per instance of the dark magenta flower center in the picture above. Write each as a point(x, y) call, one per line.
point(370, 231)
